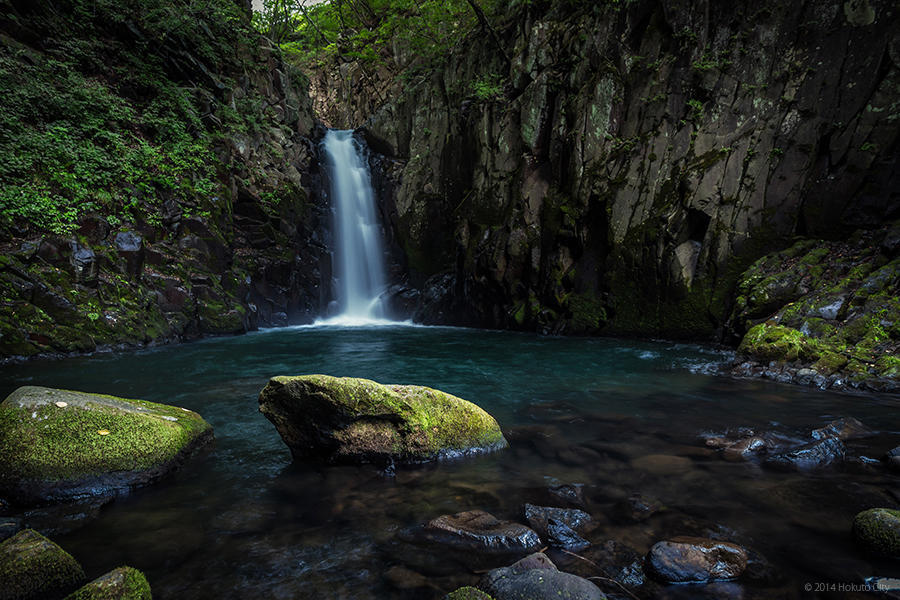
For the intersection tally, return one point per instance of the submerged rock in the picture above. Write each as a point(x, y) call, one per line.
point(559, 527)
point(878, 531)
point(123, 583)
point(815, 455)
point(482, 532)
point(31, 566)
point(535, 577)
point(845, 428)
point(636, 508)
point(357, 420)
point(691, 559)
point(58, 445)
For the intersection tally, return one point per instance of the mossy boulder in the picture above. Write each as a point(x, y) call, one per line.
point(58, 445)
point(767, 342)
point(123, 583)
point(358, 420)
point(878, 531)
point(31, 566)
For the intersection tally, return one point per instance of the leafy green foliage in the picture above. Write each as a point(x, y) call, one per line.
point(399, 34)
point(107, 116)
point(488, 87)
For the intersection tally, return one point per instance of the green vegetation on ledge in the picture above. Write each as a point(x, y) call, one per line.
point(830, 306)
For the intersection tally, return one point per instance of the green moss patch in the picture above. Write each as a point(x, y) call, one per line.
point(123, 583)
point(834, 306)
point(467, 593)
point(769, 342)
point(53, 442)
point(358, 420)
point(878, 531)
point(31, 566)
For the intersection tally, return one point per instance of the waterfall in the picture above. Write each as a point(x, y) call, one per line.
point(358, 254)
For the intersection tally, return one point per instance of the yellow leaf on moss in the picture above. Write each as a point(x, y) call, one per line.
point(103, 431)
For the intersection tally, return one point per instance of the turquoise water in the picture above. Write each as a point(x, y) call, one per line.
point(243, 522)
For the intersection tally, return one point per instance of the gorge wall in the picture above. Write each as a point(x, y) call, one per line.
point(631, 159)
point(160, 179)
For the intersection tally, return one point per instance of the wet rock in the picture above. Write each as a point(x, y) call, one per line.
point(544, 519)
point(537, 578)
point(33, 567)
point(892, 458)
point(845, 428)
point(467, 593)
point(877, 530)
point(357, 420)
point(9, 527)
point(637, 508)
point(815, 455)
point(124, 583)
point(570, 493)
point(58, 445)
point(130, 246)
point(84, 262)
point(482, 532)
point(745, 449)
point(690, 559)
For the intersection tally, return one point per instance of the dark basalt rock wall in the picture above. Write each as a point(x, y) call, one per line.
point(634, 158)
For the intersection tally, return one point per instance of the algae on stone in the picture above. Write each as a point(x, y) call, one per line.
point(358, 420)
point(878, 531)
point(53, 446)
point(123, 583)
point(33, 567)
point(467, 593)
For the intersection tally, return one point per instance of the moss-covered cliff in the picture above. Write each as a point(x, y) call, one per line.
point(157, 176)
point(632, 158)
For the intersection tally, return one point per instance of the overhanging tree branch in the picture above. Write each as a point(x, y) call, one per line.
point(485, 25)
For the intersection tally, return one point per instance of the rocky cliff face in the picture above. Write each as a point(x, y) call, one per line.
point(223, 244)
point(632, 159)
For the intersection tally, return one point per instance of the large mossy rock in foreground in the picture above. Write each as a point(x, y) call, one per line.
point(357, 420)
point(31, 566)
point(58, 445)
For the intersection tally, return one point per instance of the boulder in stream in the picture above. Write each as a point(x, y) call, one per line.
point(58, 445)
point(692, 559)
point(877, 530)
point(351, 420)
point(535, 577)
point(845, 428)
point(815, 455)
point(33, 567)
point(481, 532)
point(559, 527)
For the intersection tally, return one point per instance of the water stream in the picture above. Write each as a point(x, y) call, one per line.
point(358, 253)
point(244, 522)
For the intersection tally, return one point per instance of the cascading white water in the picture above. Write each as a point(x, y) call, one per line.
point(359, 268)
